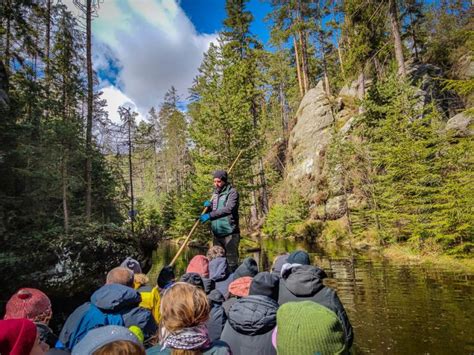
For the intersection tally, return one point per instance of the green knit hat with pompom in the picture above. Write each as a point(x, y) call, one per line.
point(307, 328)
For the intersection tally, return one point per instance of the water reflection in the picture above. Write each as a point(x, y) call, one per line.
point(394, 309)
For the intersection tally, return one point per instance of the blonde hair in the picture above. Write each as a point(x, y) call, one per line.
point(120, 347)
point(182, 306)
point(139, 280)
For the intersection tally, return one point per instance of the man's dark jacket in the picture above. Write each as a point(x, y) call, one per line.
point(305, 283)
point(224, 212)
point(112, 299)
point(249, 328)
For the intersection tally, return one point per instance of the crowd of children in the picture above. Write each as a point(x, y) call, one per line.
point(208, 310)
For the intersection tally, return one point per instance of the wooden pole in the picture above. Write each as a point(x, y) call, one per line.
point(191, 232)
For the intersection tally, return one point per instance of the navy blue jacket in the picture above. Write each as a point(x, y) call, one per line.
point(219, 272)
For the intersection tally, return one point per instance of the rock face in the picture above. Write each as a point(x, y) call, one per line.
point(425, 77)
point(460, 125)
point(310, 137)
point(317, 125)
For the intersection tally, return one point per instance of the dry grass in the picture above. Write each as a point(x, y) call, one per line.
point(399, 253)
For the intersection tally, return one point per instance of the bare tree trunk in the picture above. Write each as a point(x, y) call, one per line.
point(304, 62)
point(414, 39)
point(361, 85)
point(393, 13)
point(47, 47)
point(361, 88)
point(253, 207)
point(64, 182)
point(263, 188)
point(304, 56)
point(7, 37)
point(298, 69)
point(284, 111)
point(341, 63)
point(130, 170)
point(378, 67)
point(90, 99)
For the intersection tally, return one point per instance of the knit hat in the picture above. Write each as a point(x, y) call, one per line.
point(299, 257)
point(279, 261)
point(248, 267)
point(98, 337)
point(265, 284)
point(193, 279)
point(307, 328)
point(132, 264)
point(220, 174)
point(166, 277)
point(28, 303)
point(200, 265)
point(17, 336)
point(240, 287)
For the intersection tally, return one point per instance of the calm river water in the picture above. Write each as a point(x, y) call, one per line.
point(394, 308)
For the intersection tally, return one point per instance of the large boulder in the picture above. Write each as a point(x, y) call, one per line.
point(460, 125)
point(310, 136)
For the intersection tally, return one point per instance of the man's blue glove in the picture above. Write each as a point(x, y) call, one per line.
point(207, 203)
point(205, 217)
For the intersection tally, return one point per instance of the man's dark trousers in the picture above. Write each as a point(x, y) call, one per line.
point(231, 246)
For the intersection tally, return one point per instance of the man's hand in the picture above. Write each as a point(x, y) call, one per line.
point(205, 217)
point(207, 203)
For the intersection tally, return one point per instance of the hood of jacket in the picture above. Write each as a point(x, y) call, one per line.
point(248, 267)
point(115, 297)
point(215, 297)
point(218, 269)
point(253, 315)
point(303, 280)
point(209, 285)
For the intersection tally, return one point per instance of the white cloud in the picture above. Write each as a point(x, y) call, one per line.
point(116, 98)
point(153, 44)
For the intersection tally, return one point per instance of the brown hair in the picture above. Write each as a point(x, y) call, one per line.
point(120, 275)
point(215, 252)
point(182, 306)
point(120, 347)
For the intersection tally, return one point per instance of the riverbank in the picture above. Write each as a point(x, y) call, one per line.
point(407, 255)
point(404, 254)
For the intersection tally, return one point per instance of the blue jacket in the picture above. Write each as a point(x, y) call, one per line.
point(219, 272)
point(112, 304)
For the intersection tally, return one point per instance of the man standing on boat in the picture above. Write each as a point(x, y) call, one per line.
point(223, 212)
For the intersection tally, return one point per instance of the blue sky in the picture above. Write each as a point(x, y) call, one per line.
point(143, 47)
point(208, 15)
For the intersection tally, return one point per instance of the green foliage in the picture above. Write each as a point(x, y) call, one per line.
point(284, 220)
point(420, 178)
